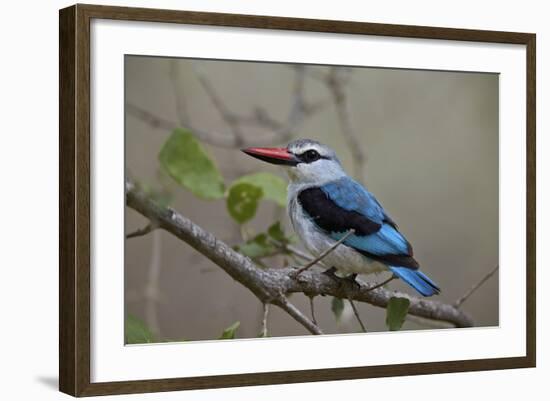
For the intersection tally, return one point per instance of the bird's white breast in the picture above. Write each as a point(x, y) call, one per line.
point(344, 258)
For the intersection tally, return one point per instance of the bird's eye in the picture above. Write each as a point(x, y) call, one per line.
point(310, 156)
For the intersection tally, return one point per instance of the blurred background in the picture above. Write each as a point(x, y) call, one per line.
point(424, 142)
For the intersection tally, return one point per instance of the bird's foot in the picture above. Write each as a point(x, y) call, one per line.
point(331, 273)
point(351, 280)
point(347, 280)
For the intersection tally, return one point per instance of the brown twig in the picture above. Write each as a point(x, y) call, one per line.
point(152, 293)
point(473, 289)
point(356, 313)
point(263, 332)
point(337, 82)
point(312, 310)
point(324, 254)
point(142, 231)
point(383, 283)
point(279, 132)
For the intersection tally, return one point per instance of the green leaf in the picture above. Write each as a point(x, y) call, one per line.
point(242, 201)
point(273, 186)
point(187, 162)
point(396, 311)
point(276, 232)
point(256, 248)
point(337, 306)
point(136, 331)
point(230, 332)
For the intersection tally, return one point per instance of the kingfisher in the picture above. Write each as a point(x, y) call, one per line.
point(330, 210)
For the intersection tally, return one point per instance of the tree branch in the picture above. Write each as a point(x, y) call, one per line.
point(278, 132)
point(141, 231)
point(272, 285)
point(323, 254)
point(473, 289)
point(263, 332)
point(337, 82)
point(356, 313)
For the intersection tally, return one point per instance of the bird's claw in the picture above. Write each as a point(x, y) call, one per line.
point(347, 280)
point(331, 273)
point(351, 280)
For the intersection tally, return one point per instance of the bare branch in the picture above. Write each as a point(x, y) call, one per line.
point(283, 303)
point(337, 82)
point(228, 117)
point(149, 118)
point(325, 253)
point(312, 310)
point(383, 283)
point(356, 313)
point(142, 231)
point(263, 333)
point(181, 103)
point(468, 293)
point(152, 294)
point(212, 137)
point(432, 324)
point(285, 248)
point(279, 132)
point(271, 285)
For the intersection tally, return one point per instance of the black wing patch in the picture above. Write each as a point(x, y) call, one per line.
point(332, 218)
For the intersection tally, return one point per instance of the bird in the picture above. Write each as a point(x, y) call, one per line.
point(327, 206)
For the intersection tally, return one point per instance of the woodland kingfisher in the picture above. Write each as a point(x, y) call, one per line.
point(326, 205)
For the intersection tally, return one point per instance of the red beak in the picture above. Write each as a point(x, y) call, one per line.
point(273, 155)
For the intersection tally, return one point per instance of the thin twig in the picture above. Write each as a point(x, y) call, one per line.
point(290, 249)
point(142, 231)
point(381, 284)
point(463, 298)
point(312, 309)
point(149, 118)
point(338, 86)
point(356, 313)
point(263, 333)
point(181, 104)
point(428, 323)
point(212, 137)
point(279, 132)
point(228, 117)
point(152, 293)
point(325, 253)
point(298, 315)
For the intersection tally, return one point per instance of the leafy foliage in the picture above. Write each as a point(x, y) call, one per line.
point(337, 307)
point(262, 246)
point(230, 332)
point(257, 248)
point(276, 232)
point(273, 186)
point(136, 331)
point(242, 201)
point(186, 161)
point(396, 312)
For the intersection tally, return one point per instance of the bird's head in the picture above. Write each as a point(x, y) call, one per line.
point(308, 161)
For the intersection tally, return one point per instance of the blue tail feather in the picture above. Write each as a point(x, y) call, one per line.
point(416, 279)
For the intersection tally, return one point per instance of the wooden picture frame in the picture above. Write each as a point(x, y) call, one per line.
point(74, 204)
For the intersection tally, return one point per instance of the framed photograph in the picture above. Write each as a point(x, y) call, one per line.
point(250, 200)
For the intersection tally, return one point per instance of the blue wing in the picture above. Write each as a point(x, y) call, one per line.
point(344, 204)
